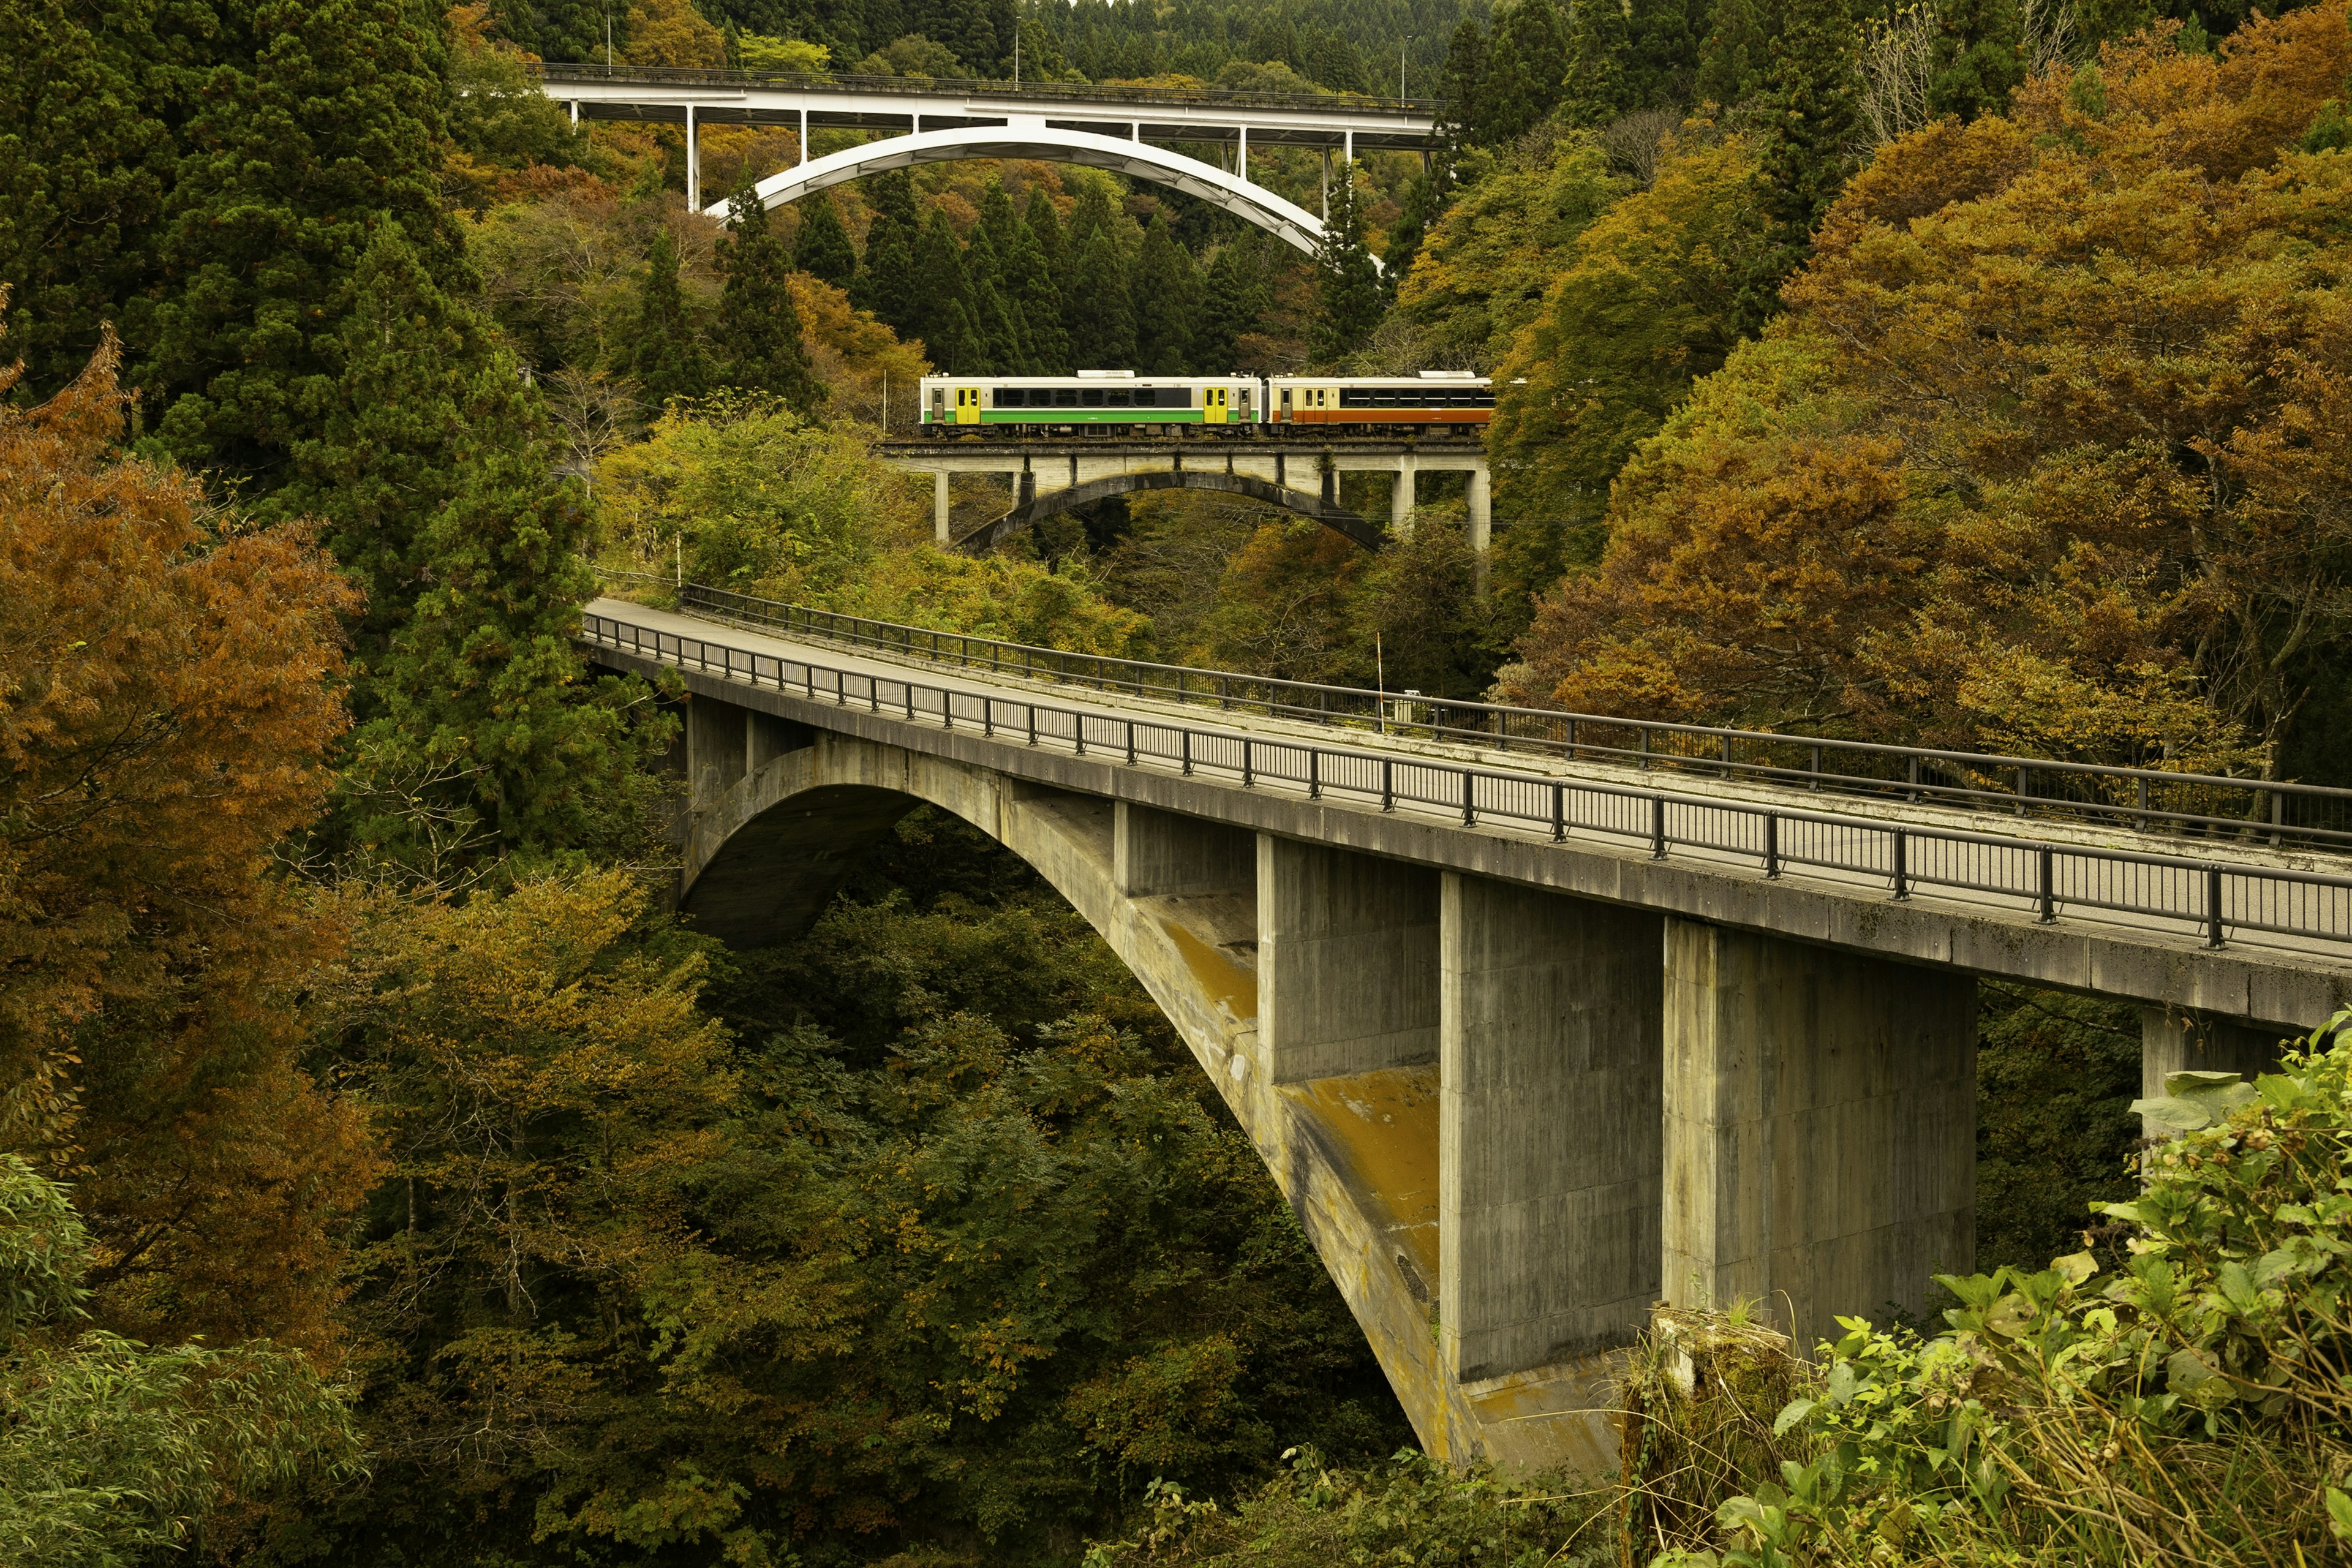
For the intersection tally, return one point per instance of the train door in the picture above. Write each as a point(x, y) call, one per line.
point(938, 414)
point(967, 405)
point(1215, 404)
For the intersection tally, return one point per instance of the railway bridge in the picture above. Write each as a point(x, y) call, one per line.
point(1300, 473)
point(1126, 129)
point(1535, 1018)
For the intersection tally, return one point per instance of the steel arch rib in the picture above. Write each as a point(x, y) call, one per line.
point(1285, 220)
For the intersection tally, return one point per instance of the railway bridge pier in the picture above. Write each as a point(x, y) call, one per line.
point(1050, 474)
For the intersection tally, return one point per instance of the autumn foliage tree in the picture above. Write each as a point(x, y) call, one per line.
point(169, 706)
point(2049, 453)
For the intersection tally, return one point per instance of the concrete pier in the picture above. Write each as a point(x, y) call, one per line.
point(1820, 1123)
point(2174, 1039)
point(1346, 962)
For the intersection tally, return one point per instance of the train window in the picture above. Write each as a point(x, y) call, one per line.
point(1090, 396)
point(1119, 397)
point(1066, 397)
point(938, 397)
point(1146, 397)
point(1285, 397)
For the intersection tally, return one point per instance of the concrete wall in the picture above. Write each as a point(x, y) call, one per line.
point(1820, 1127)
point(1347, 961)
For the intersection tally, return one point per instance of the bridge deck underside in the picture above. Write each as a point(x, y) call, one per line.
point(2162, 960)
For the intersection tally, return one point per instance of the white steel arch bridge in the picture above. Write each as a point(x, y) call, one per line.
point(1116, 128)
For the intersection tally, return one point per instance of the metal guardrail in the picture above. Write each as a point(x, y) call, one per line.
point(974, 87)
point(2216, 898)
point(2201, 807)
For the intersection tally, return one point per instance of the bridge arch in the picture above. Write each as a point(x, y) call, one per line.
point(1338, 518)
point(1253, 203)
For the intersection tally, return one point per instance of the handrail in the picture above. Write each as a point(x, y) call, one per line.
point(2216, 896)
point(2144, 800)
point(976, 86)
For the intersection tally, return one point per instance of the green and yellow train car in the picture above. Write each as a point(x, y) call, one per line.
point(955, 404)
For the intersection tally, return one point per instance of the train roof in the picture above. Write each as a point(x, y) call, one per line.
point(1430, 379)
point(1085, 378)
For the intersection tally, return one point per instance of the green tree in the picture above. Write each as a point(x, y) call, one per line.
point(320, 121)
point(1463, 85)
point(888, 283)
point(945, 322)
point(1166, 294)
point(667, 356)
point(1101, 314)
point(822, 249)
point(492, 735)
point(1348, 296)
point(1732, 62)
point(1528, 67)
point(1237, 296)
point(1661, 52)
point(391, 431)
point(1599, 81)
point(759, 329)
point(1979, 56)
point(1808, 105)
point(88, 104)
point(995, 319)
point(1039, 299)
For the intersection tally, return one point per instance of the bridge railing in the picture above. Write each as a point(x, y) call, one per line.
point(2198, 806)
point(974, 87)
point(2214, 897)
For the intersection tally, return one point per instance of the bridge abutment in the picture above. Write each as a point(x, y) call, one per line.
point(1820, 1127)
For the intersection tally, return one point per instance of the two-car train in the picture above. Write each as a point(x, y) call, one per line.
point(997, 405)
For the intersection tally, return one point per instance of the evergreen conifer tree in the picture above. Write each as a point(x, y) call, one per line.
point(1979, 59)
point(1525, 68)
point(1808, 102)
point(1039, 297)
point(994, 317)
point(390, 434)
point(1732, 62)
point(999, 220)
point(316, 123)
point(1100, 317)
point(1462, 86)
point(1597, 87)
point(483, 690)
point(668, 359)
point(944, 318)
point(1166, 290)
point(759, 330)
point(886, 283)
point(1045, 225)
point(1423, 202)
point(1661, 54)
point(822, 249)
point(1236, 298)
point(1346, 284)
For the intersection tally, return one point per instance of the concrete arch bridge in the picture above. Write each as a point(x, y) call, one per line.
point(925, 121)
point(1530, 1037)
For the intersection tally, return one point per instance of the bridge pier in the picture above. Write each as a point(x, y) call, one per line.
point(940, 532)
point(2175, 1039)
point(1820, 1127)
point(1549, 1142)
point(1400, 499)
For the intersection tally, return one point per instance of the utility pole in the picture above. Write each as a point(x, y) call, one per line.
point(1401, 48)
point(1017, 49)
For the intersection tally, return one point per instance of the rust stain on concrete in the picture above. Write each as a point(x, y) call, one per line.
point(1385, 1126)
point(1221, 978)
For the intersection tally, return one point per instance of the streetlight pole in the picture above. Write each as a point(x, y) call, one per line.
point(1401, 49)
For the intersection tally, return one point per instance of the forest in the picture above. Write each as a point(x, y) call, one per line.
point(387, 1175)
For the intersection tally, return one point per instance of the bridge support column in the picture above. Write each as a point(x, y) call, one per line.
point(1820, 1127)
point(1401, 500)
point(1548, 1132)
point(1346, 962)
point(693, 164)
point(2172, 1041)
point(1482, 512)
point(940, 506)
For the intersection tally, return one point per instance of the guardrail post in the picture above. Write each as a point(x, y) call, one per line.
point(1902, 868)
point(1912, 775)
point(988, 716)
point(2024, 788)
point(1816, 785)
point(1131, 743)
point(1033, 723)
point(1558, 811)
point(1314, 773)
point(2212, 906)
point(1246, 760)
point(2139, 823)
point(1388, 785)
point(1772, 846)
point(2046, 869)
point(946, 708)
point(840, 686)
point(1645, 748)
point(1469, 798)
point(1657, 827)
point(1078, 732)
point(1185, 751)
